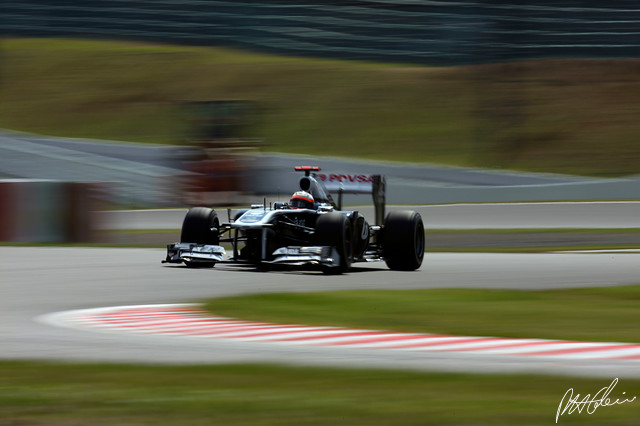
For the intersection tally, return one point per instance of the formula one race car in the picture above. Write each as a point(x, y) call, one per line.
point(309, 230)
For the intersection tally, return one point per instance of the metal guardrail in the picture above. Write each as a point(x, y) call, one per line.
point(132, 182)
point(420, 31)
point(140, 183)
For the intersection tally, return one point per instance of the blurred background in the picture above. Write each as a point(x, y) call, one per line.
point(173, 103)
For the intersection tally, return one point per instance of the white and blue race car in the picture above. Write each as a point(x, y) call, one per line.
point(316, 233)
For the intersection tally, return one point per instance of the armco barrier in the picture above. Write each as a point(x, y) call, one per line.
point(47, 211)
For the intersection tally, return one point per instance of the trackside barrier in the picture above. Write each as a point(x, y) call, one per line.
point(46, 211)
point(427, 184)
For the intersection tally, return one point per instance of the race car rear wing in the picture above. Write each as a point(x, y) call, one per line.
point(322, 185)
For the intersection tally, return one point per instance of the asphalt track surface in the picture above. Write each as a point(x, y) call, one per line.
point(41, 280)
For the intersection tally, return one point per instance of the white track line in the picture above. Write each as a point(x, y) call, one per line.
point(189, 320)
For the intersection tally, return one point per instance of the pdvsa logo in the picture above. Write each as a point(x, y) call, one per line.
point(339, 178)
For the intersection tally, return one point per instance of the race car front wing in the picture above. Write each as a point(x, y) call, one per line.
point(294, 255)
point(318, 255)
point(194, 253)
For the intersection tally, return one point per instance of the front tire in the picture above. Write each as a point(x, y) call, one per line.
point(334, 229)
point(403, 241)
point(200, 226)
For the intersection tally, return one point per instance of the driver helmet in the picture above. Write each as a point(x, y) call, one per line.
point(301, 200)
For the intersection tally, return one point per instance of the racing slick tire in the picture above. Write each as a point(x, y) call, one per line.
point(200, 226)
point(360, 237)
point(403, 240)
point(334, 229)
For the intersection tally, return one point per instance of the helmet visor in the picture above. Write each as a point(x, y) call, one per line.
point(299, 203)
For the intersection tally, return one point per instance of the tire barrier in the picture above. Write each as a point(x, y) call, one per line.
point(48, 211)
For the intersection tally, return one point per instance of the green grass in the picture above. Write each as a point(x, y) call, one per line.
point(61, 394)
point(530, 115)
point(589, 314)
point(530, 240)
point(536, 231)
point(564, 239)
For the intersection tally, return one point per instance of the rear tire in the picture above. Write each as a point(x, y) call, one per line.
point(403, 240)
point(334, 229)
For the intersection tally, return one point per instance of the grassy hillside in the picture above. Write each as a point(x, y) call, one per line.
point(568, 116)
